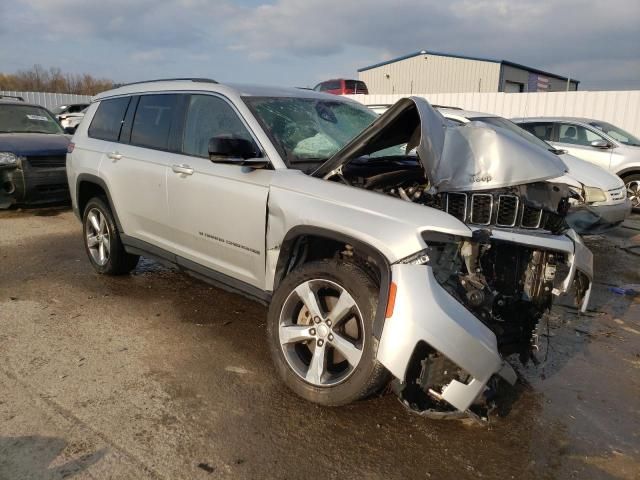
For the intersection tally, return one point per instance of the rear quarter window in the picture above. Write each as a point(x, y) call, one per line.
point(107, 121)
point(152, 122)
point(356, 86)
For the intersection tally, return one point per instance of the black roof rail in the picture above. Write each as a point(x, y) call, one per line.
point(14, 97)
point(202, 80)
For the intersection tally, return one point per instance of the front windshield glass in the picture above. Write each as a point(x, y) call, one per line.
point(617, 133)
point(509, 125)
point(309, 129)
point(27, 119)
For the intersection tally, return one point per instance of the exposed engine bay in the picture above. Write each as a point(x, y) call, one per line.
point(507, 285)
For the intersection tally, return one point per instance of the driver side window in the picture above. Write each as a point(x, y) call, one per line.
point(207, 117)
point(576, 135)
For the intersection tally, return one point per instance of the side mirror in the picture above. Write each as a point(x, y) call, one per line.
point(70, 130)
point(237, 151)
point(600, 144)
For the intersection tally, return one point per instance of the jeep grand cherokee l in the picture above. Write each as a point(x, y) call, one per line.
point(390, 249)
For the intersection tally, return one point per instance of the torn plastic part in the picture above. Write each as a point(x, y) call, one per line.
point(589, 219)
point(437, 388)
point(469, 157)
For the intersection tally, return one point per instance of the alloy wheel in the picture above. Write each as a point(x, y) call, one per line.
point(98, 236)
point(633, 192)
point(321, 332)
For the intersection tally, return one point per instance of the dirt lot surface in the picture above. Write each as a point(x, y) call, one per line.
point(157, 375)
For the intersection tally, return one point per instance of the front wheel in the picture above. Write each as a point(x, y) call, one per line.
point(320, 329)
point(632, 183)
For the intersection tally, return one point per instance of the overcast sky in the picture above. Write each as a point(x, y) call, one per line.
point(300, 42)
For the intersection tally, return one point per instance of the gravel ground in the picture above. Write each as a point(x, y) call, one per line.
point(157, 375)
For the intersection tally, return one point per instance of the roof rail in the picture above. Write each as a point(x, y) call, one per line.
point(13, 97)
point(448, 107)
point(203, 80)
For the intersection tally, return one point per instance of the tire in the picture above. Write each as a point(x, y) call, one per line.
point(102, 240)
point(297, 339)
point(632, 184)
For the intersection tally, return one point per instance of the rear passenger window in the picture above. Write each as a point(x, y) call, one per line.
point(208, 117)
point(577, 135)
point(152, 122)
point(107, 121)
point(541, 130)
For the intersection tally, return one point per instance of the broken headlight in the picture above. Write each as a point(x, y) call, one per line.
point(8, 159)
point(594, 194)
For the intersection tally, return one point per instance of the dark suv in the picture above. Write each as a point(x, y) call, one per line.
point(33, 151)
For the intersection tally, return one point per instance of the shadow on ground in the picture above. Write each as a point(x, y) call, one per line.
point(32, 457)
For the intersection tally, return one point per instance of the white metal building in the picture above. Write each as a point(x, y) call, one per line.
point(433, 72)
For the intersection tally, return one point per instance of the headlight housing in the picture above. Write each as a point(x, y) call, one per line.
point(594, 194)
point(8, 159)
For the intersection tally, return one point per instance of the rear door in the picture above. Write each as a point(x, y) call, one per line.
point(135, 167)
point(576, 139)
point(217, 212)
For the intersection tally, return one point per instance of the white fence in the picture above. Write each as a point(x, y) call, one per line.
point(621, 108)
point(49, 100)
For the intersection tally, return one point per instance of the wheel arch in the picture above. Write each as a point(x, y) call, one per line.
point(635, 170)
point(298, 238)
point(89, 186)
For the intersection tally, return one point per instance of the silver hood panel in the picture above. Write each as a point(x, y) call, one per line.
point(462, 158)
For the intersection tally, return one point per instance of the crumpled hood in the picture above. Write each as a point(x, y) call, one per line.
point(462, 158)
point(31, 144)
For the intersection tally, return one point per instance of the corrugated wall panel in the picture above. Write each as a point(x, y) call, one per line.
point(49, 100)
point(435, 73)
point(621, 108)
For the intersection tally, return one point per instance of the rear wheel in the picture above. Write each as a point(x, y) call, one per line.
point(102, 240)
point(632, 182)
point(320, 333)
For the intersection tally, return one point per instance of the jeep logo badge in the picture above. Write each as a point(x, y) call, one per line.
point(480, 178)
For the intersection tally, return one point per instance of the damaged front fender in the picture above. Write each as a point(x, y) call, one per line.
point(448, 348)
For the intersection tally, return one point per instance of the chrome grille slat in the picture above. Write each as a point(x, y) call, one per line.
point(502, 210)
point(456, 205)
point(531, 217)
point(481, 208)
point(508, 206)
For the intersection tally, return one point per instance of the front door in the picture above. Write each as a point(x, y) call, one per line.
point(217, 212)
point(576, 139)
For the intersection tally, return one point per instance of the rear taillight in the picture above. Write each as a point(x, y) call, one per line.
point(70, 147)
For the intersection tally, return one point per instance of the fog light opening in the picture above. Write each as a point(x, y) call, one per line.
point(8, 187)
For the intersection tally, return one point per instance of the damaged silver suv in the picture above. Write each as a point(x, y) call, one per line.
point(390, 249)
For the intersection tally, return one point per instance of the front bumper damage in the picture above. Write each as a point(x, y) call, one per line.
point(25, 184)
point(594, 219)
point(425, 313)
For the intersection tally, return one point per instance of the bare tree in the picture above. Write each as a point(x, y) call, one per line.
point(39, 79)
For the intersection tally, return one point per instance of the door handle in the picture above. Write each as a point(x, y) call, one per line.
point(184, 169)
point(114, 155)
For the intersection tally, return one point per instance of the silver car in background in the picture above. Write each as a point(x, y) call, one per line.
point(595, 141)
point(600, 203)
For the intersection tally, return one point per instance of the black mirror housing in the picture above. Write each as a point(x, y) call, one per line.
point(70, 130)
point(221, 148)
point(238, 151)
